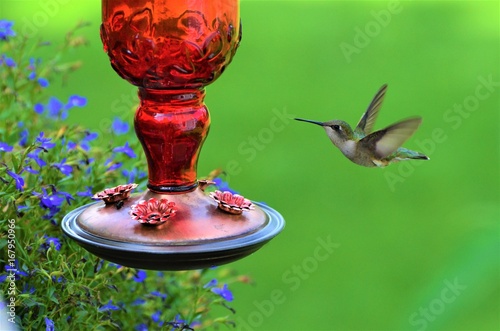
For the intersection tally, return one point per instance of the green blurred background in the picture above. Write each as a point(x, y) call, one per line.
point(414, 246)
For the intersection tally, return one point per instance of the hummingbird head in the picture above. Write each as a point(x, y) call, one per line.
point(338, 131)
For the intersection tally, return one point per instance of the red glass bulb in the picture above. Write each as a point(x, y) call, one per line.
point(171, 49)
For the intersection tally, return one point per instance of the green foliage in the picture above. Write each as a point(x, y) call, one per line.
point(48, 168)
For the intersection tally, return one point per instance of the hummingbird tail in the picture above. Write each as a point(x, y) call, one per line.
point(421, 157)
point(407, 154)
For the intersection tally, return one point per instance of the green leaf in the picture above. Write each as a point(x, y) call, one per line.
point(15, 162)
point(30, 302)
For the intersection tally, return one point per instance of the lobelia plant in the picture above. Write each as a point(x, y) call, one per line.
point(47, 168)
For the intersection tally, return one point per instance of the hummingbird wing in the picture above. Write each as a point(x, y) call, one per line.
point(367, 121)
point(386, 141)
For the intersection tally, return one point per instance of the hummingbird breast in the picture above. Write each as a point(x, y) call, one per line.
point(348, 148)
point(354, 152)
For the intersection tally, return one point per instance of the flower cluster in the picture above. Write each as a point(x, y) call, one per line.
point(49, 167)
point(56, 109)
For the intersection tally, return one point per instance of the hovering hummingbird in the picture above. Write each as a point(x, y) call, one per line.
point(372, 149)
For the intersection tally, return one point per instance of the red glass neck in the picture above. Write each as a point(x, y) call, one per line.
point(172, 126)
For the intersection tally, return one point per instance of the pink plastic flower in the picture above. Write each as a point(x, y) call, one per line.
point(153, 211)
point(231, 203)
point(115, 194)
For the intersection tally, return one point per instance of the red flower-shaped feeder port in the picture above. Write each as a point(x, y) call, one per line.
point(153, 211)
point(231, 203)
point(115, 194)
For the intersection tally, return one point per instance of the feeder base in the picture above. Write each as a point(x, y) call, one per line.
point(199, 236)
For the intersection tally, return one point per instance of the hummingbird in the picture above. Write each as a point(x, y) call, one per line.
point(373, 149)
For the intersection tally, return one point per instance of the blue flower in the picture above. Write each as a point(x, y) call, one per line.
point(211, 283)
point(27, 289)
point(12, 271)
point(54, 201)
point(140, 276)
point(35, 157)
point(33, 63)
point(71, 145)
point(49, 241)
point(64, 168)
point(86, 193)
point(177, 322)
point(126, 150)
point(8, 61)
point(99, 265)
point(138, 302)
point(59, 279)
point(141, 327)
point(156, 317)
point(76, 101)
point(113, 166)
point(89, 136)
point(194, 323)
point(68, 197)
point(224, 292)
point(133, 174)
point(49, 324)
point(158, 294)
point(109, 306)
point(6, 29)
point(18, 180)
point(223, 186)
point(49, 201)
point(43, 82)
point(31, 170)
point(32, 75)
point(55, 109)
point(120, 127)
point(45, 143)
point(23, 138)
point(39, 108)
point(84, 143)
point(4, 147)
point(20, 208)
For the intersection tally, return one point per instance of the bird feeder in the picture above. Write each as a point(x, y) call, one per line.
point(171, 50)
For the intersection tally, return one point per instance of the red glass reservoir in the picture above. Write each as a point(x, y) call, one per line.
point(171, 50)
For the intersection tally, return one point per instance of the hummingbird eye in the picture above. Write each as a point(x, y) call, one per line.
point(336, 127)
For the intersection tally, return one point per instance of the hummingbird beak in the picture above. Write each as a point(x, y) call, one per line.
point(309, 121)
